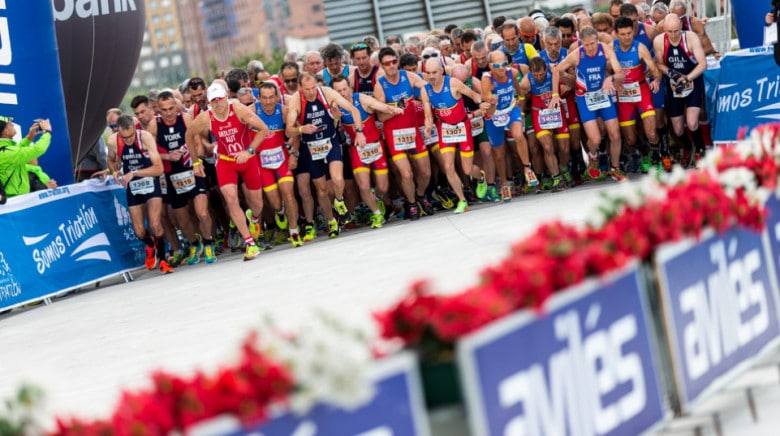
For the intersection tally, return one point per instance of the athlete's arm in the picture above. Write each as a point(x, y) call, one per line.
point(197, 132)
point(250, 118)
point(113, 163)
point(617, 72)
point(426, 108)
point(658, 47)
point(337, 101)
point(459, 89)
point(291, 127)
point(487, 94)
point(698, 53)
point(150, 146)
point(644, 55)
point(706, 43)
point(570, 61)
point(375, 106)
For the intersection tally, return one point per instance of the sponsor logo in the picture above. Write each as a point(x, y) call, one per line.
point(64, 9)
point(73, 238)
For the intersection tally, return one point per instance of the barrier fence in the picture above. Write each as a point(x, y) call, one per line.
point(62, 239)
point(596, 362)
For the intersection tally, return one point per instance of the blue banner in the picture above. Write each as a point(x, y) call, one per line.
point(586, 367)
point(743, 100)
point(396, 409)
point(720, 309)
point(60, 239)
point(749, 20)
point(30, 84)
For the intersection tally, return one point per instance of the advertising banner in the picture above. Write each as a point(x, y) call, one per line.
point(30, 84)
point(396, 409)
point(742, 100)
point(584, 367)
point(720, 309)
point(60, 239)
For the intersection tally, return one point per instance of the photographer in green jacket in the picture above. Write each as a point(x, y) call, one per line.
point(15, 157)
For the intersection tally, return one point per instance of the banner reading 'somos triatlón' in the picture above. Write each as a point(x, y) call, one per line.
point(30, 85)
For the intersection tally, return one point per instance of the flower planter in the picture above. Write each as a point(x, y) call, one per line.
point(441, 384)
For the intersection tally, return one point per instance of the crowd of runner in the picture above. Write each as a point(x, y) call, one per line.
point(438, 121)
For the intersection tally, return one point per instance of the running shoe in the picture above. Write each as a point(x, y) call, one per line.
point(262, 245)
point(482, 187)
point(177, 258)
point(617, 175)
point(557, 184)
point(566, 178)
point(320, 222)
point(281, 221)
point(634, 162)
point(381, 206)
point(254, 227)
point(647, 162)
point(341, 208)
point(593, 172)
point(685, 158)
point(412, 211)
point(506, 194)
point(546, 182)
point(530, 177)
point(194, 256)
point(151, 258)
point(333, 229)
point(165, 268)
point(425, 206)
point(603, 161)
point(208, 253)
point(492, 194)
point(295, 240)
point(310, 232)
point(377, 220)
point(444, 198)
point(280, 236)
point(251, 252)
point(234, 241)
point(666, 161)
point(462, 207)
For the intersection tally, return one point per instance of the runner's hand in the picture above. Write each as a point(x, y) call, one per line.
point(199, 171)
point(555, 101)
point(292, 163)
point(242, 157)
point(360, 140)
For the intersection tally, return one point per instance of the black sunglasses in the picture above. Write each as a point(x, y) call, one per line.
point(196, 82)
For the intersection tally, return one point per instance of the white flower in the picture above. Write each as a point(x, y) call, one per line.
point(328, 360)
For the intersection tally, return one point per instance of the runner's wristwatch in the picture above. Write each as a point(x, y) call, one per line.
point(359, 130)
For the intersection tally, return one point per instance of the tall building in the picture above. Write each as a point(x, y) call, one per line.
point(218, 31)
point(163, 60)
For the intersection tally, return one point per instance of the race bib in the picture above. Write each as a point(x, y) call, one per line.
point(183, 182)
point(631, 93)
point(477, 125)
point(550, 119)
point(404, 139)
point(431, 140)
point(319, 149)
point(500, 120)
point(453, 133)
point(596, 100)
point(273, 158)
point(370, 153)
point(142, 186)
point(684, 92)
